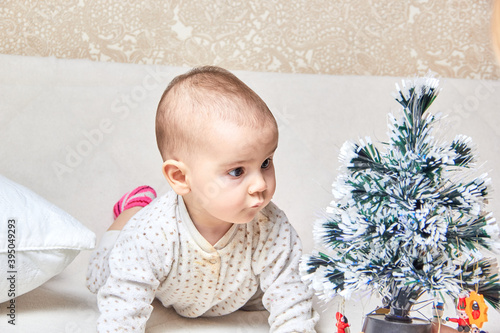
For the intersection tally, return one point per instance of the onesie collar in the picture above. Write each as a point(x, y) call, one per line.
point(195, 234)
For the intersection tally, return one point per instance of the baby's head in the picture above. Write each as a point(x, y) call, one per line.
point(217, 138)
point(194, 101)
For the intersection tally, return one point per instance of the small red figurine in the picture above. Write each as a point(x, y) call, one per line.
point(342, 322)
point(463, 319)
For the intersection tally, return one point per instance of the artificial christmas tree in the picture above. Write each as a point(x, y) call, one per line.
point(407, 219)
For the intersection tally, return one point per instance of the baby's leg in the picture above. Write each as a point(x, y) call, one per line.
point(98, 270)
point(123, 218)
point(124, 209)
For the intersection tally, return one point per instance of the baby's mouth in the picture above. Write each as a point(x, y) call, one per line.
point(257, 205)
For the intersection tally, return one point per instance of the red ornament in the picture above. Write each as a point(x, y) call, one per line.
point(476, 309)
point(342, 322)
point(463, 318)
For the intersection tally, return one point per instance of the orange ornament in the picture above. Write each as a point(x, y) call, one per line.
point(476, 309)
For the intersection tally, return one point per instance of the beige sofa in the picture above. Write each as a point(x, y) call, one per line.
point(81, 133)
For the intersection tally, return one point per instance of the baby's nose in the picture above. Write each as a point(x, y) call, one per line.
point(258, 184)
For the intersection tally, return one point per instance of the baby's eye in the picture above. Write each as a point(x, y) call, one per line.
point(266, 163)
point(236, 172)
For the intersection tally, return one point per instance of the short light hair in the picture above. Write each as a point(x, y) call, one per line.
point(199, 96)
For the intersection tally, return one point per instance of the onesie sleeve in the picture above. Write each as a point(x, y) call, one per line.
point(286, 296)
point(136, 269)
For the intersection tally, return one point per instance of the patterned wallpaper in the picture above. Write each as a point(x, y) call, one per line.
point(349, 37)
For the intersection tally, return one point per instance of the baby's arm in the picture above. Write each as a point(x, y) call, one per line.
point(287, 298)
point(125, 300)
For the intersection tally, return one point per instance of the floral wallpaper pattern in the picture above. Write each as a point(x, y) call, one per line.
point(349, 37)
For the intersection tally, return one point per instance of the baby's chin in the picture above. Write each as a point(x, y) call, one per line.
point(249, 219)
point(244, 221)
point(248, 215)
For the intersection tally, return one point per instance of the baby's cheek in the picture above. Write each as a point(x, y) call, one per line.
point(271, 187)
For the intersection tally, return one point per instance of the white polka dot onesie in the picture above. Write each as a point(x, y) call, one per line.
point(161, 254)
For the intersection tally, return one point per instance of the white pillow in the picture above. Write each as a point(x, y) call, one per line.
point(37, 240)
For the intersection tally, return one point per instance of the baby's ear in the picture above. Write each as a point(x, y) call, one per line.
point(175, 173)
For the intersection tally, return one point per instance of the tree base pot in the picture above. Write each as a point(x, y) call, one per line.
point(377, 323)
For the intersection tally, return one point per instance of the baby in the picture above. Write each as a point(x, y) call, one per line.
point(216, 243)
